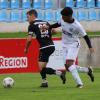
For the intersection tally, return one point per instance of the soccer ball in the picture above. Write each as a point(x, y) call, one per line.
point(8, 82)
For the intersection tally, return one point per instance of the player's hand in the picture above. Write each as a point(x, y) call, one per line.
point(91, 50)
point(53, 31)
point(25, 51)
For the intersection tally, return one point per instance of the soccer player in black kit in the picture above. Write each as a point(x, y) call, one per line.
point(43, 35)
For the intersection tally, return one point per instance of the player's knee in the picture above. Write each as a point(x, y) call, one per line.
point(69, 63)
point(66, 67)
point(41, 68)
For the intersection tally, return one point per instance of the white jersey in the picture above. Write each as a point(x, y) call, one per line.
point(71, 32)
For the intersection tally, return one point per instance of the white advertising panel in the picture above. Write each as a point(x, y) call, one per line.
point(56, 59)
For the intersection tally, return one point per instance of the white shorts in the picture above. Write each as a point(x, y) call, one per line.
point(70, 51)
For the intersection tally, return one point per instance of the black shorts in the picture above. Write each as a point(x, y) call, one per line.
point(45, 53)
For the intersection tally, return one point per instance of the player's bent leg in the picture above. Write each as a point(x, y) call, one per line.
point(43, 74)
point(90, 73)
point(44, 81)
point(82, 69)
point(63, 77)
point(87, 70)
point(72, 68)
point(50, 71)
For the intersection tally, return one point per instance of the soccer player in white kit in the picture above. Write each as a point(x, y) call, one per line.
point(71, 31)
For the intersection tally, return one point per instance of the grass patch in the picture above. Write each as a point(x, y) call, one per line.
point(13, 35)
point(24, 34)
point(27, 88)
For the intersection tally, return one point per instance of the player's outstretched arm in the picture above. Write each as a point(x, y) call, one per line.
point(53, 26)
point(28, 42)
point(56, 25)
point(89, 43)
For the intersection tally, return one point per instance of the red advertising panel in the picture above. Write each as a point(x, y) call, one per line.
point(13, 59)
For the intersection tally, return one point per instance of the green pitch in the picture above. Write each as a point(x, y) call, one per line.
point(24, 34)
point(27, 88)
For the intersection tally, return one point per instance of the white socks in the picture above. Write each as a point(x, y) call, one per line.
point(82, 69)
point(75, 74)
point(44, 81)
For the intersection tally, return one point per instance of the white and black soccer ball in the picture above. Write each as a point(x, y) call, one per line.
point(8, 82)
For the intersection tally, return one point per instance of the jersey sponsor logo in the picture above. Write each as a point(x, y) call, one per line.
point(13, 62)
point(44, 30)
point(74, 31)
point(67, 33)
point(71, 29)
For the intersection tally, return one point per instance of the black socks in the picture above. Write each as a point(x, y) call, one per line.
point(45, 71)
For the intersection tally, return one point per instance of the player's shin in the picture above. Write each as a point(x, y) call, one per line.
point(82, 69)
point(50, 71)
point(43, 74)
point(57, 72)
point(44, 83)
point(75, 74)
